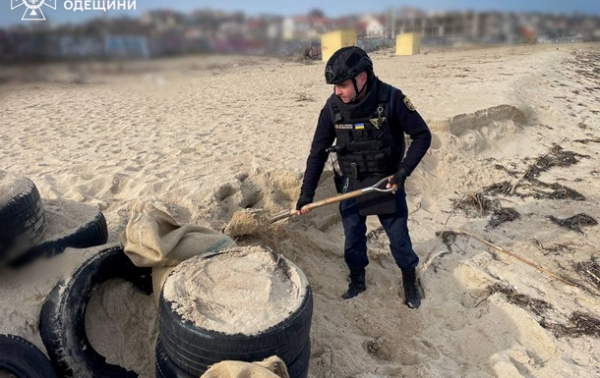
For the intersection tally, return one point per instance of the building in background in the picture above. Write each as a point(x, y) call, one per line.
point(166, 32)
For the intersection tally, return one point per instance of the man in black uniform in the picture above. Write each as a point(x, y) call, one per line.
point(368, 119)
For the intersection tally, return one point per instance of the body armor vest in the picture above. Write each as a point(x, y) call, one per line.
point(367, 150)
point(365, 146)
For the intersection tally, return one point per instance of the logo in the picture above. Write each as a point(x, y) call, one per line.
point(377, 122)
point(409, 104)
point(33, 8)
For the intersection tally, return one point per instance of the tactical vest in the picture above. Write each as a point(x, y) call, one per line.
point(367, 150)
point(366, 147)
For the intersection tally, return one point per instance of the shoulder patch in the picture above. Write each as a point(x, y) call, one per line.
point(409, 104)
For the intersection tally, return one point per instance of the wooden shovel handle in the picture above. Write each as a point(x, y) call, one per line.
point(323, 202)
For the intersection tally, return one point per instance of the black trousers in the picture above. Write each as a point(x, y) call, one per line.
point(395, 226)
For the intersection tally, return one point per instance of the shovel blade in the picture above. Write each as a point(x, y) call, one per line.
point(282, 215)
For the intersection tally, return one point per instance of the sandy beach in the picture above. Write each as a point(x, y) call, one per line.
point(516, 149)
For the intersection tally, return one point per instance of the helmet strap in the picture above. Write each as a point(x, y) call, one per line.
point(358, 93)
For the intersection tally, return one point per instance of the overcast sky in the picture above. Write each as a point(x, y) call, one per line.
point(331, 8)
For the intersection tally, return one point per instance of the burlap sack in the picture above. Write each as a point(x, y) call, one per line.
point(154, 239)
point(272, 367)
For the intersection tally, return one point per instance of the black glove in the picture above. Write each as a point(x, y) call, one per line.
point(303, 200)
point(399, 178)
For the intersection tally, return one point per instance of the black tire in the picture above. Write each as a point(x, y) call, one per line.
point(194, 349)
point(23, 359)
point(85, 227)
point(165, 368)
point(62, 319)
point(21, 215)
point(299, 368)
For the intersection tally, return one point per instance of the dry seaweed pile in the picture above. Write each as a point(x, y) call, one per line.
point(477, 205)
point(575, 222)
point(532, 187)
point(502, 215)
point(536, 306)
point(556, 249)
point(580, 324)
point(590, 271)
point(556, 157)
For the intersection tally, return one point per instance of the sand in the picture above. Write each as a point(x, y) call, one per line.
point(244, 290)
point(209, 137)
point(247, 222)
point(64, 217)
point(11, 185)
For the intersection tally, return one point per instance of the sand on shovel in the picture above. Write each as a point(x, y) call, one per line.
point(247, 222)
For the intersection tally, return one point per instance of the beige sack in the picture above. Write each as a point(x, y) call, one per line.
point(272, 367)
point(154, 239)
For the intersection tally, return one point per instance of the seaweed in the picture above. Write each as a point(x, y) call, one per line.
point(555, 249)
point(502, 215)
point(590, 271)
point(476, 205)
point(556, 157)
point(558, 192)
point(538, 306)
point(580, 324)
point(575, 222)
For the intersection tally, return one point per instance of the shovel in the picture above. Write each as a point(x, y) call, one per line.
point(355, 193)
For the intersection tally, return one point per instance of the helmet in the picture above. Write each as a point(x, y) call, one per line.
point(347, 63)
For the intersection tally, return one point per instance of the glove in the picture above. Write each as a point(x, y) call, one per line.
point(303, 200)
point(399, 179)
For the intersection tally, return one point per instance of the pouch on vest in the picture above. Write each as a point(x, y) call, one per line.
point(374, 203)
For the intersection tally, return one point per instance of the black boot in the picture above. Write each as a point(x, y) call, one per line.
point(357, 283)
point(412, 297)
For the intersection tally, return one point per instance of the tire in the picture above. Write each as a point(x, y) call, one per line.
point(165, 368)
point(85, 227)
point(62, 319)
point(299, 368)
point(194, 349)
point(21, 215)
point(23, 359)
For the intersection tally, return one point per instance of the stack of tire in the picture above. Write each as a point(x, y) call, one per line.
point(25, 223)
point(23, 359)
point(185, 350)
point(29, 230)
point(62, 319)
point(62, 324)
point(22, 218)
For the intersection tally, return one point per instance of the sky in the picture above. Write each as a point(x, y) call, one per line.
point(331, 8)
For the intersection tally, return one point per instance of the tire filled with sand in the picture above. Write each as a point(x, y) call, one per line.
point(242, 290)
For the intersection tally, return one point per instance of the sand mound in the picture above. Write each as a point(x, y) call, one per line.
point(242, 290)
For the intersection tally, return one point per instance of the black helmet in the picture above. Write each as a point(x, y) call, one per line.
point(347, 63)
